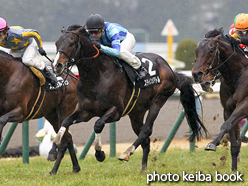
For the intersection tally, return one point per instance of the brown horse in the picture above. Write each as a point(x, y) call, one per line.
point(19, 91)
point(216, 55)
point(104, 91)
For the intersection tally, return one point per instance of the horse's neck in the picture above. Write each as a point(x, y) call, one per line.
point(89, 71)
point(6, 69)
point(232, 69)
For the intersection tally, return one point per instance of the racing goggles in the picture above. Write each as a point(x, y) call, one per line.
point(98, 31)
point(2, 33)
point(242, 33)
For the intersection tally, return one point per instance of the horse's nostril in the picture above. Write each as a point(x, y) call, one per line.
point(58, 69)
point(197, 76)
point(207, 83)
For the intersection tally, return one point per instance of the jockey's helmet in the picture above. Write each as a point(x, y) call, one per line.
point(241, 22)
point(94, 21)
point(3, 25)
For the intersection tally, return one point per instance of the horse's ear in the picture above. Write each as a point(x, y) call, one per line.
point(217, 38)
point(63, 30)
point(82, 29)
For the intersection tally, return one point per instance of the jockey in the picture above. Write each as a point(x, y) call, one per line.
point(240, 35)
point(114, 40)
point(23, 44)
point(234, 34)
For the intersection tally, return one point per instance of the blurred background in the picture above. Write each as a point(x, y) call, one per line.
point(144, 18)
point(191, 17)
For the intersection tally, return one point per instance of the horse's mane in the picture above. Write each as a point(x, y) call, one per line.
point(214, 33)
point(81, 29)
point(73, 27)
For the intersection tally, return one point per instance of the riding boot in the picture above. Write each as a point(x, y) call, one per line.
point(142, 72)
point(49, 73)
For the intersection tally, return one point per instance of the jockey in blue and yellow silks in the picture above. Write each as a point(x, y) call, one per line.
point(24, 43)
point(115, 40)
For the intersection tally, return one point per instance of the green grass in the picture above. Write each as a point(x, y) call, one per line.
point(114, 172)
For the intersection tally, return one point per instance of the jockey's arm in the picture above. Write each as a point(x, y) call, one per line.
point(110, 51)
point(34, 34)
point(113, 35)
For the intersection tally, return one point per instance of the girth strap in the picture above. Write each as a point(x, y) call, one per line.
point(37, 104)
point(132, 101)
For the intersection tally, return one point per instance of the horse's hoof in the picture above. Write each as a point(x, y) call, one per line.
point(143, 169)
point(124, 157)
point(210, 147)
point(76, 169)
point(52, 157)
point(48, 174)
point(100, 156)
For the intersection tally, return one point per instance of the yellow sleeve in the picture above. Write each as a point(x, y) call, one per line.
point(235, 35)
point(35, 35)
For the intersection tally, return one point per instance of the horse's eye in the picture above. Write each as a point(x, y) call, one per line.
point(71, 44)
point(211, 52)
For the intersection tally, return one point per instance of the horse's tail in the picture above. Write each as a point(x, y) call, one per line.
point(187, 98)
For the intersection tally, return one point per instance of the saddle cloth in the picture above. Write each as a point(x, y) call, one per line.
point(43, 80)
point(152, 77)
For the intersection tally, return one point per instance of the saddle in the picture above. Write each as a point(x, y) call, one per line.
point(152, 77)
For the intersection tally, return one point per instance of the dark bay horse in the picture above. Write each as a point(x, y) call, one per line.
point(215, 54)
point(104, 91)
point(19, 91)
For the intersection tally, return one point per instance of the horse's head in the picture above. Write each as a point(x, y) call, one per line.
point(69, 48)
point(207, 60)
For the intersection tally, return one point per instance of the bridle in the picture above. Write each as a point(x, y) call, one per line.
point(79, 46)
point(215, 70)
point(72, 60)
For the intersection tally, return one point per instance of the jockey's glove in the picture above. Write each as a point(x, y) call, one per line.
point(94, 42)
point(243, 40)
point(42, 52)
point(234, 41)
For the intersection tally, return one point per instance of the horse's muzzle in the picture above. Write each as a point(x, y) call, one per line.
point(58, 69)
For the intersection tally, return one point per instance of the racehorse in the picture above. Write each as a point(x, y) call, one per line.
point(215, 55)
point(104, 91)
point(18, 96)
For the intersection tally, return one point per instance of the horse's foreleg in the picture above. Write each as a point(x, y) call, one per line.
point(110, 116)
point(100, 155)
point(75, 117)
point(238, 114)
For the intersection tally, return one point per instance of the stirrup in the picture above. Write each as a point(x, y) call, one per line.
point(142, 73)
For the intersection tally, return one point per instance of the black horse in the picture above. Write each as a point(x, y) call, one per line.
point(216, 55)
point(104, 91)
